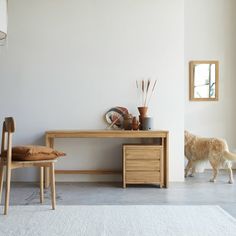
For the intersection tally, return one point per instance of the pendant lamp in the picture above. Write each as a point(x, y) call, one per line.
point(3, 19)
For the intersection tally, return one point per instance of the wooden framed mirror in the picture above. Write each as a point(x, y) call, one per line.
point(203, 80)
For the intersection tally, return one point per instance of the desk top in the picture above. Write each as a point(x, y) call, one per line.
point(106, 134)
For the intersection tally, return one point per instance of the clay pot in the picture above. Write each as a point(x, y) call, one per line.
point(143, 113)
point(128, 118)
point(135, 123)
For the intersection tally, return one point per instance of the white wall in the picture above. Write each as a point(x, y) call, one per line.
point(68, 61)
point(210, 33)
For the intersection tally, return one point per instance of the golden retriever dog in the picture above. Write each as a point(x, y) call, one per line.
point(213, 150)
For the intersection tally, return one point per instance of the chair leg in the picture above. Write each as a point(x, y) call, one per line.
point(47, 177)
point(41, 184)
point(53, 191)
point(8, 185)
point(1, 181)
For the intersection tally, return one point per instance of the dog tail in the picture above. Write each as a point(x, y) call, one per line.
point(230, 156)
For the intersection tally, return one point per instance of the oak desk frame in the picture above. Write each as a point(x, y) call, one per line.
point(150, 137)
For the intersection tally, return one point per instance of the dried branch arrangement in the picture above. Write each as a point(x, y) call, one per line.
point(145, 90)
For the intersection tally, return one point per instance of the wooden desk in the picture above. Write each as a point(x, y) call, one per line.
point(150, 137)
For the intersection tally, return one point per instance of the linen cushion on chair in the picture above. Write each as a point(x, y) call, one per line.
point(34, 153)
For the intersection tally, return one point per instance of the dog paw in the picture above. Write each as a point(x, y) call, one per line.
point(191, 175)
point(230, 181)
point(212, 180)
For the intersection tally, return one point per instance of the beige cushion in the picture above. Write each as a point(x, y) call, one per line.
point(33, 153)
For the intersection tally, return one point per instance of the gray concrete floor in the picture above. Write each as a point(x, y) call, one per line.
point(194, 191)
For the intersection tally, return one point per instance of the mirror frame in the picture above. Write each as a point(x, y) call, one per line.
point(191, 80)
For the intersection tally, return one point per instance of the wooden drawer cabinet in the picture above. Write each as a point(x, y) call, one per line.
point(143, 164)
point(143, 177)
point(143, 152)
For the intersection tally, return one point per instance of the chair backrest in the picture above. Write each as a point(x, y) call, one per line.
point(8, 129)
point(9, 125)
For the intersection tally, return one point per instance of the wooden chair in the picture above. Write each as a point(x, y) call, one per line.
point(6, 161)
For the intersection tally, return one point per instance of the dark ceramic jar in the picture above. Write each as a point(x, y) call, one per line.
point(128, 118)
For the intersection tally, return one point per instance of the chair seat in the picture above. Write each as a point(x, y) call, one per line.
point(21, 164)
point(33, 153)
point(41, 161)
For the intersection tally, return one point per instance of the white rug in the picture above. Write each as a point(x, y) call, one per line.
point(118, 220)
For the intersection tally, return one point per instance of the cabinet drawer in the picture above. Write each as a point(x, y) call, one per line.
point(143, 177)
point(149, 165)
point(142, 152)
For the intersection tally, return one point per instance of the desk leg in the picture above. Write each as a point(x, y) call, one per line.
point(49, 143)
point(124, 168)
point(166, 161)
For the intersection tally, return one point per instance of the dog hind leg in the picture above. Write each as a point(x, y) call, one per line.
point(188, 167)
point(231, 178)
point(193, 171)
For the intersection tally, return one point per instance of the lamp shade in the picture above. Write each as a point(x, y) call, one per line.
point(3, 19)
